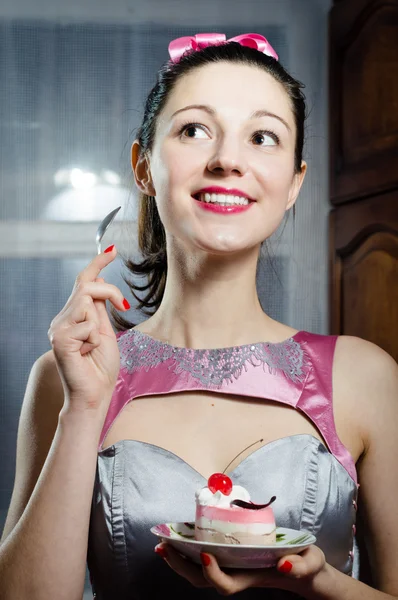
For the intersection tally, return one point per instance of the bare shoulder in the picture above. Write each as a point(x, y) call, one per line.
point(45, 372)
point(365, 378)
point(363, 362)
point(43, 401)
point(38, 421)
point(44, 391)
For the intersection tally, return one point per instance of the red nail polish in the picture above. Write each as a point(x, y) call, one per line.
point(126, 304)
point(161, 551)
point(110, 248)
point(205, 558)
point(285, 567)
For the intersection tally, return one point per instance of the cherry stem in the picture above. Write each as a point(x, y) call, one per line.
point(244, 450)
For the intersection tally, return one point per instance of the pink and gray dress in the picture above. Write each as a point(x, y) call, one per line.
point(139, 484)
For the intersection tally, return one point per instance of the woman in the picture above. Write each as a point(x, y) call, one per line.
point(218, 161)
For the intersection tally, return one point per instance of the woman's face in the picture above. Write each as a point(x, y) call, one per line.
point(222, 143)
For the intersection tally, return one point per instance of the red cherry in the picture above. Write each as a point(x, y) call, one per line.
point(219, 482)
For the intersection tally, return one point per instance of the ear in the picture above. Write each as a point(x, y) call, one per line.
point(297, 182)
point(141, 169)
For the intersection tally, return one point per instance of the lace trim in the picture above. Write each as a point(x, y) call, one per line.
point(213, 366)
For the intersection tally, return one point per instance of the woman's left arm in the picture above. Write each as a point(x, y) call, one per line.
point(376, 407)
point(373, 380)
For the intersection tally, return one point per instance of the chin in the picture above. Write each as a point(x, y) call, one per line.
point(224, 247)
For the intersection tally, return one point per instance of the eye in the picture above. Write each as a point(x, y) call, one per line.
point(190, 128)
point(269, 137)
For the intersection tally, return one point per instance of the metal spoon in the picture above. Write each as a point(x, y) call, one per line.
point(103, 226)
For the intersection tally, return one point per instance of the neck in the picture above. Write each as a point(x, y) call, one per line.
point(211, 302)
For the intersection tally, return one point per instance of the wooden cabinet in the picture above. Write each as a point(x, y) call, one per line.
point(363, 118)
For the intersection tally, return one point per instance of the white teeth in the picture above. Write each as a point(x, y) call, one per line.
point(223, 199)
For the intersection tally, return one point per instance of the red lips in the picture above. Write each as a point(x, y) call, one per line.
point(215, 189)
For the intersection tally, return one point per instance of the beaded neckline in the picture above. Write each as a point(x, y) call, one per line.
point(212, 366)
point(142, 336)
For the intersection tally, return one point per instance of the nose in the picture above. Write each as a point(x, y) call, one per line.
point(228, 158)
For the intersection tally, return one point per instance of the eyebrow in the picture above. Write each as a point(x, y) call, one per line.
point(255, 115)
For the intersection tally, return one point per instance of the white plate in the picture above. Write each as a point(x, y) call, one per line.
point(238, 556)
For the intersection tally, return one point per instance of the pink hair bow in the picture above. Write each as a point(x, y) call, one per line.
point(199, 41)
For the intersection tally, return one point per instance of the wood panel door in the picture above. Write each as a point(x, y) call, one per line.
point(363, 109)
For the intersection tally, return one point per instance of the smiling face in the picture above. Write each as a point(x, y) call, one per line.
point(228, 126)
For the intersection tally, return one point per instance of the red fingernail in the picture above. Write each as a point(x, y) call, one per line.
point(110, 248)
point(161, 551)
point(205, 558)
point(126, 304)
point(285, 567)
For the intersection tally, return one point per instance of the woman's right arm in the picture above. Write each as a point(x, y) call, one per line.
point(44, 546)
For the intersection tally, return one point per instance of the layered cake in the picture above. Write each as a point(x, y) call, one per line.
point(226, 515)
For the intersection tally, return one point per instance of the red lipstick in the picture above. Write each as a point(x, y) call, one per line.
point(218, 208)
point(226, 210)
point(216, 189)
point(223, 209)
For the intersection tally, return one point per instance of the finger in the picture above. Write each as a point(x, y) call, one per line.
point(183, 566)
point(101, 291)
point(100, 305)
point(94, 339)
point(229, 584)
point(77, 313)
point(306, 564)
point(76, 337)
point(95, 267)
point(88, 302)
point(89, 308)
point(102, 312)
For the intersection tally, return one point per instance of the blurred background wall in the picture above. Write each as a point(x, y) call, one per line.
point(74, 79)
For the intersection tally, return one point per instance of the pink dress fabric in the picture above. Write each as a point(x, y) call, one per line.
point(311, 393)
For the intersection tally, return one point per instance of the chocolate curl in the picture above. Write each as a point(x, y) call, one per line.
point(251, 505)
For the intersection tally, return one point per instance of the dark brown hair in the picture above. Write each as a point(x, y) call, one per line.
point(151, 234)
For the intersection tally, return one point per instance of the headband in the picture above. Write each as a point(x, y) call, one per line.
point(179, 46)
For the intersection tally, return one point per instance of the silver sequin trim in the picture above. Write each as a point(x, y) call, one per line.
point(211, 367)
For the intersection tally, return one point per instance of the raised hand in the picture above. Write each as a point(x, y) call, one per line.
point(83, 340)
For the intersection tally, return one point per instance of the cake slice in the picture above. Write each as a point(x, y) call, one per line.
point(226, 515)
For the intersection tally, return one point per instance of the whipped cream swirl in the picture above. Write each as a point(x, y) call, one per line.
point(205, 497)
